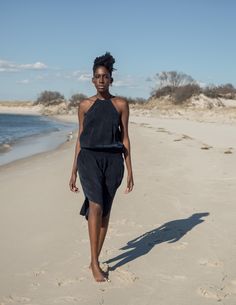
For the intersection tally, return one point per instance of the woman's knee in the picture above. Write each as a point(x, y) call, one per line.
point(95, 208)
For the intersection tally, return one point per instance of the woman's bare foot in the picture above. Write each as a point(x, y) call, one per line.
point(98, 274)
point(104, 272)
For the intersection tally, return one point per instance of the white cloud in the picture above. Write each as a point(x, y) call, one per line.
point(7, 66)
point(77, 73)
point(23, 81)
point(85, 77)
point(36, 66)
point(126, 81)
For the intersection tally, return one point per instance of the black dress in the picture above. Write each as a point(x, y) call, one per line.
point(100, 162)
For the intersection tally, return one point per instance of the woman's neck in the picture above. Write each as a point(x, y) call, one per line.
point(103, 96)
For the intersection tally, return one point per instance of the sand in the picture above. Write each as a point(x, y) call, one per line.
point(170, 241)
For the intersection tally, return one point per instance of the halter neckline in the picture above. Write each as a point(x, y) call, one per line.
point(106, 99)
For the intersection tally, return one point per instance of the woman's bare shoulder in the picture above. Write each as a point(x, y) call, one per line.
point(86, 103)
point(121, 101)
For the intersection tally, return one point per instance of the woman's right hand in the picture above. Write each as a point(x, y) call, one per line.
point(72, 183)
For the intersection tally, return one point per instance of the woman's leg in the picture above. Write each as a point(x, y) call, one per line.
point(103, 232)
point(94, 226)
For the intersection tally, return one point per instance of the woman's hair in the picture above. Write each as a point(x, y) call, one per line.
point(106, 60)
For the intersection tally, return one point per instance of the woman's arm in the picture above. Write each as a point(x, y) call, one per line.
point(124, 107)
point(72, 182)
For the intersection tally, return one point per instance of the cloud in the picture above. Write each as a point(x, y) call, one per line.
point(126, 81)
point(85, 77)
point(23, 81)
point(7, 66)
point(76, 73)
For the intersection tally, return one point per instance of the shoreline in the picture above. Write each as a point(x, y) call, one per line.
point(37, 156)
point(41, 141)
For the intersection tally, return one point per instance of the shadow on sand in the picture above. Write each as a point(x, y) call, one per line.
point(169, 232)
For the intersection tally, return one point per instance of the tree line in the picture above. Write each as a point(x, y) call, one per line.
point(52, 98)
point(177, 86)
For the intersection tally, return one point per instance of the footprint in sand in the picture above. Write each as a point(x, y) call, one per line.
point(67, 299)
point(125, 276)
point(38, 273)
point(206, 146)
point(229, 150)
point(184, 137)
point(211, 262)
point(144, 124)
point(15, 300)
point(213, 292)
point(66, 282)
point(160, 129)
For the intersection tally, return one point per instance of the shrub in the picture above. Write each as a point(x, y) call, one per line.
point(183, 93)
point(225, 91)
point(50, 98)
point(76, 99)
point(164, 91)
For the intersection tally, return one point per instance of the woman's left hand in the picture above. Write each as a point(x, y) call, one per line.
point(130, 183)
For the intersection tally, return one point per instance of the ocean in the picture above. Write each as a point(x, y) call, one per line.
point(24, 135)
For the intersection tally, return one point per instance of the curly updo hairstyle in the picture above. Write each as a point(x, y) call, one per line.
point(107, 61)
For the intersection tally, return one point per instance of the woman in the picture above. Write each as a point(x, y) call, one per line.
point(102, 141)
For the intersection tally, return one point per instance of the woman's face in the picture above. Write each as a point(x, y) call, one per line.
point(102, 79)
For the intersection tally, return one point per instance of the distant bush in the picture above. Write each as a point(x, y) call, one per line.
point(225, 91)
point(183, 93)
point(178, 94)
point(180, 87)
point(76, 99)
point(163, 91)
point(177, 85)
point(48, 98)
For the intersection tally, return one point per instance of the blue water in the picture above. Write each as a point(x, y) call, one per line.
point(24, 135)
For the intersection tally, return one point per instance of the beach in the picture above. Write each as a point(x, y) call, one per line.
point(170, 241)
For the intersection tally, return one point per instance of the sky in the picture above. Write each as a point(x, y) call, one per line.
point(51, 45)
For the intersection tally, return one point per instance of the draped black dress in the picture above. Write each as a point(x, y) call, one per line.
point(100, 162)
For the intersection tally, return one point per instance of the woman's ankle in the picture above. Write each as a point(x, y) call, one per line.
point(94, 263)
